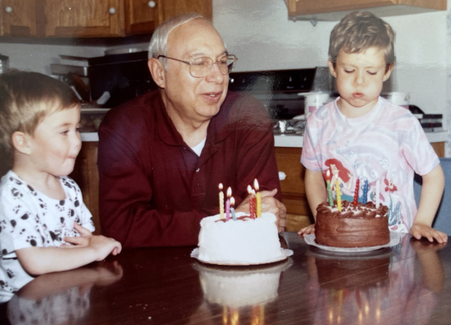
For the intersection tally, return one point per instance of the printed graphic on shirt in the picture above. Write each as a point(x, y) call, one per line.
point(382, 149)
point(29, 218)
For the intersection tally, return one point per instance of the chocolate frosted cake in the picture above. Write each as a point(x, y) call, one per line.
point(354, 226)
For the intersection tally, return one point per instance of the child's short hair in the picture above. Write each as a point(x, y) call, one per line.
point(359, 31)
point(25, 99)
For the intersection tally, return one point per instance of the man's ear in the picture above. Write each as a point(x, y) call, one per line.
point(157, 71)
point(331, 68)
point(21, 142)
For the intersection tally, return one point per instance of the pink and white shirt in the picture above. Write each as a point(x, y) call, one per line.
point(386, 146)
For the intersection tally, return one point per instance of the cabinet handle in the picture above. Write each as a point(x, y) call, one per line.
point(112, 10)
point(152, 4)
point(9, 9)
point(282, 176)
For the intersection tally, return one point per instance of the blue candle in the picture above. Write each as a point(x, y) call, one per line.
point(365, 192)
point(232, 210)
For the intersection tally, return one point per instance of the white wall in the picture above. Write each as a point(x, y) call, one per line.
point(261, 35)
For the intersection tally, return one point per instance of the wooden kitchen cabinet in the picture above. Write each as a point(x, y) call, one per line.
point(333, 10)
point(84, 18)
point(110, 18)
point(293, 188)
point(91, 18)
point(21, 18)
point(85, 174)
point(439, 148)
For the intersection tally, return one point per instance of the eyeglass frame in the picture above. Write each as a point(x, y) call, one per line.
point(215, 62)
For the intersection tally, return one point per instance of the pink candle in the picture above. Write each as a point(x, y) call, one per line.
point(252, 202)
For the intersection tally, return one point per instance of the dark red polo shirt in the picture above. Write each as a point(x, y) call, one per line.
point(154, 189)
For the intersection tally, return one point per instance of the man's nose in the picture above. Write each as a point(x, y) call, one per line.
point(215, 74)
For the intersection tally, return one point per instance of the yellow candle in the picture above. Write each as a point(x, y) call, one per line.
point(338, 192)
point(221, 202)
point(259, 199)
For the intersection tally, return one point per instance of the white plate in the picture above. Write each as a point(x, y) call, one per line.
point(395, 238)
point(285, 254)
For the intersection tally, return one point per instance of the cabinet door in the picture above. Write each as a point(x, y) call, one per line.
point(293, 189)
point(19, 18)
point(332, 10)
point(84, 18)
point(169, 8)
point(85, 174)
point(305, 7)
point(141, 16)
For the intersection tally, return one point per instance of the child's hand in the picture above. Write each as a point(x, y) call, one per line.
point(82, 240)
point(419, 230)
point(99, 243)
point(104, 246)
point(307, 230)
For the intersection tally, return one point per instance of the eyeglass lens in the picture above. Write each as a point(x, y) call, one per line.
point(202, 66)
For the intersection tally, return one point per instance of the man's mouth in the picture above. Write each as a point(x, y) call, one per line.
point(213, 96)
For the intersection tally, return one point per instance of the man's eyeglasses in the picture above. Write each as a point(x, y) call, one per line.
point(200, 67)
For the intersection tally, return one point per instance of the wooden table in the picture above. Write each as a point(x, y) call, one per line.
point(408, 284)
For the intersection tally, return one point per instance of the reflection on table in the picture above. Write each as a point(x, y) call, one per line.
point(405, 284)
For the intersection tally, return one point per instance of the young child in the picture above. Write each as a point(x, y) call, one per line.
point(369, 138)
point(44, 224)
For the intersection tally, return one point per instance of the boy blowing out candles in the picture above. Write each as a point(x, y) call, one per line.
point(361, 136)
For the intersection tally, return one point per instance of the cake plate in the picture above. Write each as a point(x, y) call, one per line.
point(395, 238)
point(285, 254)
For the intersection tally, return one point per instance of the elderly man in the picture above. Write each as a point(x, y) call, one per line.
point(162, 155)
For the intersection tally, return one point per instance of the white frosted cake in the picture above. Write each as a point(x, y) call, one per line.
point(245, 241)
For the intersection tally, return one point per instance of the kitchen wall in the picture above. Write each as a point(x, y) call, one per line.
point(260, 34)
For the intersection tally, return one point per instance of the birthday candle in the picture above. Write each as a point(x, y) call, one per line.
point(259, 199)
point(356, 192)
point(338, 192)
point(329, 190)
point(252, 202)
point(232, 210)
point(365, 192)
point(377, 193)
point(229, 194)
point(221, 202)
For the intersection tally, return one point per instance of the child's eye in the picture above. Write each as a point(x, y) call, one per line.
point(372, 73)
point(349, 71)
point(78, 129)
point(65, 132)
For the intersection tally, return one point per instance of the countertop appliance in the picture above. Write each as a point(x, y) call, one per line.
point(123, 76)
point(282, 92)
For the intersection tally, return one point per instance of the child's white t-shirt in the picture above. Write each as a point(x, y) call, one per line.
point(29, 218)
point(386, 146)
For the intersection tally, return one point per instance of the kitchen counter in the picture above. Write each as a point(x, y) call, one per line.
point(290, 141)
